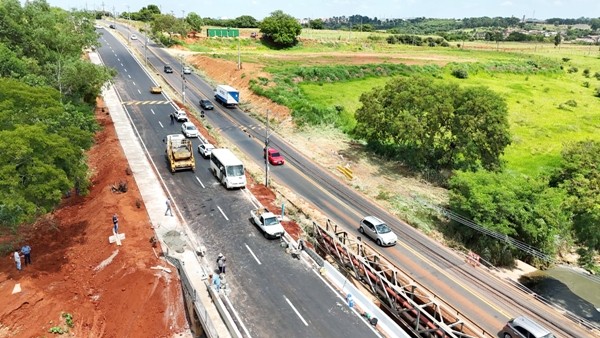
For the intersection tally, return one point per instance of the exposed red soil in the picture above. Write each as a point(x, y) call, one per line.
point(72, 270)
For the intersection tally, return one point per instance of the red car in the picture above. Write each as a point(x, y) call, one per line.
point(274, 157)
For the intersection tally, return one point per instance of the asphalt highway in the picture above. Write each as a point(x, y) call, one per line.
point(274, 294)
point(477, 295)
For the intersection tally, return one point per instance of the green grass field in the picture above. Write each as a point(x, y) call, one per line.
point(545, 111)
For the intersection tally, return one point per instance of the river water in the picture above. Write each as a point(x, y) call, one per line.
point(570, 289)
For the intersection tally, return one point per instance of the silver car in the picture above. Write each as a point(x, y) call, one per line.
point(189, 129)
point(523, 327)
point(187, 70)
point(378, 231)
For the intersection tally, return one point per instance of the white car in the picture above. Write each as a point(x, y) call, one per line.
point(180, 115)
point(189, 129)
point(187, 70)
point(133, 37)
point(205, 149)
point(378, 231)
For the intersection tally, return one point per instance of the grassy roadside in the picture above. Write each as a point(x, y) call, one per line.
point(542, 115)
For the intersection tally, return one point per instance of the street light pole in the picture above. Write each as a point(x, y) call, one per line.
point(128, 25)
point(266, 152)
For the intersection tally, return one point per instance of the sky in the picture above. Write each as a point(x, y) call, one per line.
point(382, 9)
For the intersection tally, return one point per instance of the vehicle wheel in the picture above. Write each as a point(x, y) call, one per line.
point(361, 230)
point(379, 242)
point(266, 235)
point(506, 335)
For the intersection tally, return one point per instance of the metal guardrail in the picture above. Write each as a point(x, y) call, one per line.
point(201, 312)
point(408, 302)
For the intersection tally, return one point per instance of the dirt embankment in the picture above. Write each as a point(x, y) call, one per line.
point(110, 291)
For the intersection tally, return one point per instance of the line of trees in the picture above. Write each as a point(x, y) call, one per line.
point(47, 95)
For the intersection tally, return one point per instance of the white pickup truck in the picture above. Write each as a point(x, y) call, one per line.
point(268, 223)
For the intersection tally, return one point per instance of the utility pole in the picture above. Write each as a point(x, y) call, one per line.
point(266, 152)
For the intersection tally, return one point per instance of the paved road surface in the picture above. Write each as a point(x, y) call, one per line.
point(275, 295)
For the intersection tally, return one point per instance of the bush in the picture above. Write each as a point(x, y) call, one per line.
point(566, 59)
point(598, 92)
point(573, 70)
point(586, 84)
point(460, 73)
point(586, 72)
point(597, 75)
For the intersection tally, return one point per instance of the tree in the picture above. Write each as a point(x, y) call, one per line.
point(281, 29)
point(146, 13)
point(245, 21)
point(195, 21)
point(521, 207)
point(436, 125)
point(579, 174)
point(557, 39)
point(316, 24)
point(595, 24)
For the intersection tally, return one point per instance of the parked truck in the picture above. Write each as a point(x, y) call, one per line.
point(268, 223)
point(180, 153)
point(227, 95)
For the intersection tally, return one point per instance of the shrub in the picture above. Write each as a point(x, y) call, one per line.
point(586, 84)
point(597, 75)
point(573, 70)
point(571, 103)
point(598, 92)
point(566, 59)
point(460, 73)
point(586, 72)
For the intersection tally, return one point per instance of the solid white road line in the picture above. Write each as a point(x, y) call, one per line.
point(253, 255)
point(197, 179)
point(222, 213)
point(297, 313)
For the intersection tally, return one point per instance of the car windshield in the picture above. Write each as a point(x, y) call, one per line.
point(382, 228)
point(275, 154)
point(271, 221)
point(191, 127)
point(235, 170)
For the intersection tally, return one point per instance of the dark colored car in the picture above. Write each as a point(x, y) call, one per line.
point(168, 69)
point(205, 104)
point(112, 26)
